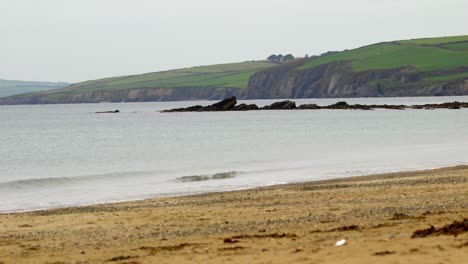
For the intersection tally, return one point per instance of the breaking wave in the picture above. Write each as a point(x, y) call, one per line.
point(216, 176)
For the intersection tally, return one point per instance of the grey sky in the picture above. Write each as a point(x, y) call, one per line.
point(77, 40)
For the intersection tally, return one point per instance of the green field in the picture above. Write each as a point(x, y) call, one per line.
point(424, 54)
point(234, 75)
point(457, 46)
point(8, 87)
point(435, 41)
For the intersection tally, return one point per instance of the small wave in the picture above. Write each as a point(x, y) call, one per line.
point(47, 182)
point(36, 182)
point(216, 176)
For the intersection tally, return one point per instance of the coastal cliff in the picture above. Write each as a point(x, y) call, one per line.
point(125, 95)
point(337, 79)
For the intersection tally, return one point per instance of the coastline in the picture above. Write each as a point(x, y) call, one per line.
point(298, 222)
point(383, 173)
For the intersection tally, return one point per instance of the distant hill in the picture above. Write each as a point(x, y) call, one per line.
point(419, 67)
point(213, 81)
point(9, 87)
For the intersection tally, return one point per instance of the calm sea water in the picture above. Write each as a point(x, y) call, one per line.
point(63, 155)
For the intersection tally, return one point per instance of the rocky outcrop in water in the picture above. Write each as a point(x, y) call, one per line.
point(229, 104)
point(283, 105)
point(245, 107)
point(224, 105)
point(309, 106)
point(108, 112)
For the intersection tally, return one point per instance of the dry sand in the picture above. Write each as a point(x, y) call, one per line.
point(376, 215)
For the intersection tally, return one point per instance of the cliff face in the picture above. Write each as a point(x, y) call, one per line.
point(126, 95)
point(339, 80)
point(154, 94)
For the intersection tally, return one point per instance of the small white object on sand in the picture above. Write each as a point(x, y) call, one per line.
point(341, 242)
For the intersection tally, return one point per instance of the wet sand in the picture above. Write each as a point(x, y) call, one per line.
point(376, 215)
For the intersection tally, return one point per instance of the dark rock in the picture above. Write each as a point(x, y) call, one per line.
point(448, 105)
point(195, 108)
point(391, 107)
point(360, 107)
point(345, 105)
point(309, 106)
point(451, 105)
point(283, 105)
point(224, 105)
point(339, 105)
point(245, 107)
point(108, 112)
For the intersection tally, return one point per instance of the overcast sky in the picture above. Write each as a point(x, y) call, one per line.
point(77, 40)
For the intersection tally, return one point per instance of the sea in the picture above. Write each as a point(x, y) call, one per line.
point(54, 156)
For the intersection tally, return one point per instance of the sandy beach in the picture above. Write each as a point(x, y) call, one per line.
point(374, 217)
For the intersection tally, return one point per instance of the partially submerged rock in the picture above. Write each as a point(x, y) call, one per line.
point(309, 106)
point(345, 106)
point(448, 105)
point(224, 105)
point(245, 107)
point(283, 105)
point(339, 105)
point(108, 112)
point(390, 107)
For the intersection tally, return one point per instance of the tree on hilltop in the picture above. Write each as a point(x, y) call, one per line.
point(287, 58)
point(272, 58)
point(280, 58)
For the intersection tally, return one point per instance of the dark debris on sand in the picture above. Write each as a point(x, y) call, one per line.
point(384, 253)
point(455, 228)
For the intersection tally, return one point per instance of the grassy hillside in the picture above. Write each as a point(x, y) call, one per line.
point(234, 75)
point(436, 41)
point(8, 87)
point(437, 54)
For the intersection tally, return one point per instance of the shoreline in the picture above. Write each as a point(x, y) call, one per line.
point(189, 194)
point(376, 216)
